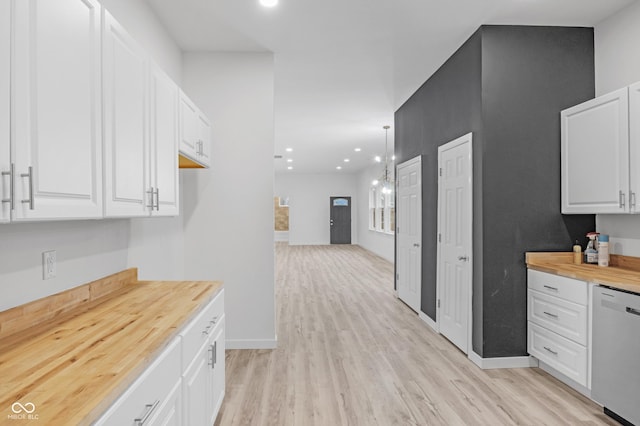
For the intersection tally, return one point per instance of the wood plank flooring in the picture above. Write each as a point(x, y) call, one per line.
point(350, 353)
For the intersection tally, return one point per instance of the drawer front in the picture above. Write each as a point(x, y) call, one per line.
point(149, 392)
point(575, 291)
point(563, 317)
point(566, 356)
point(199, 330)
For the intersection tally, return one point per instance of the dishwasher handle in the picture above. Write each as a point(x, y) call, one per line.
point(633, 311)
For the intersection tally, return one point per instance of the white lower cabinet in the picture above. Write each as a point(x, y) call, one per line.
point(203, 353)
point(185, 384)
point(140, 402)
point(558, 330)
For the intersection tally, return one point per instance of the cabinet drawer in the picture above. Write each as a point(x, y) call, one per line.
point(575, 291)
point(561, 316)
point(566, 356)
point(149, 392)
point(199, 330)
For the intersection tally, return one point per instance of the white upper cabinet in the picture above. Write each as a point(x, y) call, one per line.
point(164, 137)
point(56, 114)
point(195, 135)
point(126, 146)
point(595, 155)
point(204, 140)
point(5, 90)
point(634, 147)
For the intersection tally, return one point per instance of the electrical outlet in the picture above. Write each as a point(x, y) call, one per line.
point(48, 264)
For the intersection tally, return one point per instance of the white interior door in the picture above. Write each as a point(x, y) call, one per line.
point(455, 241)
point(409, 232)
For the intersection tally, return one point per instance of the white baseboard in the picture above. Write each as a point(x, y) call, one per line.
point(568, 381)
point(506, 362)
point(252, 344)
point(427, 320)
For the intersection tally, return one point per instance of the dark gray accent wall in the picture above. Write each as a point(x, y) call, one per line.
point(507, 85)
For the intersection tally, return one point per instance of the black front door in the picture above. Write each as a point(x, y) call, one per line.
point(340, 220)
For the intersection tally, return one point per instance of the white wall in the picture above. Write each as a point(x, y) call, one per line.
point(228, 209)
point(309, 204)
point(86, 250)
point(617, 64)
point(379, 243)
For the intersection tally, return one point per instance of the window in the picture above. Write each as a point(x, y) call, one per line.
point(382, 211)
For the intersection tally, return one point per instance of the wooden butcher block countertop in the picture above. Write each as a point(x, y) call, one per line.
point(623, 272)
point(71, 355)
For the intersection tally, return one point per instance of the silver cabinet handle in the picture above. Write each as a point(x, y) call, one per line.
point(214, 320)
point(147, 413)
point(632, 200)
point(551, 288)
point(416, 245)
point(30, 199)
point(150, 192)
point(11, 198)
point(550, 314)
point(213, 359)
point(632, 311)
point(463, 258)
point(622, 199)
point(549, 350)
point(157, 199)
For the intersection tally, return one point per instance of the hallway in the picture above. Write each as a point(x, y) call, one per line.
point(350, 353)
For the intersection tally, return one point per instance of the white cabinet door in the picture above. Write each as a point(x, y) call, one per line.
point(164, 137)
point(188, 127)
point(634, 146)
point(170, 412)
point(57, 146)
point(5, 90)
point(127, 192)
point(595, 155)
point(204, 140)
point(217, 372)
point(195, 393)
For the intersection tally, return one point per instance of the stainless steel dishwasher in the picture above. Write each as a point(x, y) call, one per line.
point(616, 353)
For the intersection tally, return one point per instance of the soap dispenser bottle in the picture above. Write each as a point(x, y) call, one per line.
point(591, 252)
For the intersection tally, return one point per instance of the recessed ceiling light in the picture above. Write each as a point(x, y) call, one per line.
point(269, 3)
point(290, 168)
point(378, 159)
point(289, 160)
point(339, 167)
point(289, 149)
point(346, 160)
point(357, 150)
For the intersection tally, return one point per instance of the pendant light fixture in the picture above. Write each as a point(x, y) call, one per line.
point(385, 181)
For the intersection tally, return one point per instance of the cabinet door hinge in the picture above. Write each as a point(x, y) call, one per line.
point(438, 303)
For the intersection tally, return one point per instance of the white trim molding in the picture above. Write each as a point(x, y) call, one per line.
point(427, 320)
point(252, 344)
point(506, 362)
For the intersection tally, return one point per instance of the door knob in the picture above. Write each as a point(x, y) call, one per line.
point(463, 258)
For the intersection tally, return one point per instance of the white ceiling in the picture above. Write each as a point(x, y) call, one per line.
point(342, 67)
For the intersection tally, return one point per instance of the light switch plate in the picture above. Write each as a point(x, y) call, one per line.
point(48, 264)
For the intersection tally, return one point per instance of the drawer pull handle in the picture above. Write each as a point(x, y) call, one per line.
point(214, 320)
point(30, 177)
point(148, 410)
point(633, 311)
point(213, 359)
point(551, 288)
point(206, 330)
point(10, 200)
point(550, 314)
point(549, 350)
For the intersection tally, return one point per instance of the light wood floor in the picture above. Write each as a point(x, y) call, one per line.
point(350, 353)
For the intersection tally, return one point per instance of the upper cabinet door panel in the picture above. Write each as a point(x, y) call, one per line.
point(204, 139)
point(127, 192)
point(634, 146)
point(57, 109)
point(5, 134)
point(188, 127)
point(595, 155)
point(165, 136)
